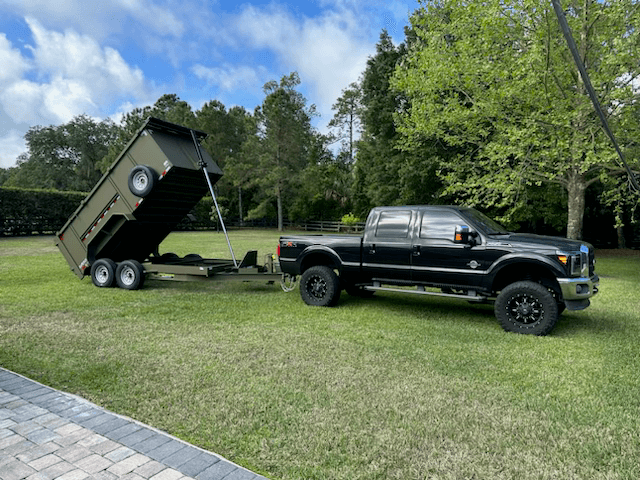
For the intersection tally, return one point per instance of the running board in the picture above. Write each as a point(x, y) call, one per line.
point(421, 291)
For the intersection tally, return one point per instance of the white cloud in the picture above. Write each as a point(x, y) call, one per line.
point(100, 19)
point(230, 77)
point(75, 75)
point(159, 19)
point(329, 51)
point(73, 56)
point(11, 146)
point(13, 65)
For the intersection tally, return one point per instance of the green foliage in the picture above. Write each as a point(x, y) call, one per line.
point(324, 191)
point(64, 157)
point(386, 174)
point(168, 107)
point(227, 132)
point(495, 81)
point(275, 158)
point(347, 121)
point(24, 211)
point(350, 219)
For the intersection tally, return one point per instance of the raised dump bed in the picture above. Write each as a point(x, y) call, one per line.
point(153, 184)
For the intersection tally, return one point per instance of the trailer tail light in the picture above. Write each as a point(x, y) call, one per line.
point(278, 250)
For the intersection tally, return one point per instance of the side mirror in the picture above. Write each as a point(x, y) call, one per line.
point(464, 235)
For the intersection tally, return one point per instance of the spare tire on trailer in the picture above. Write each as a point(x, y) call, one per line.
point(142, 179)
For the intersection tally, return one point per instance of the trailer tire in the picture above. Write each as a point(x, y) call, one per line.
point(142, 179)
point(103, 273)
point(320, 286)
point(130, 275)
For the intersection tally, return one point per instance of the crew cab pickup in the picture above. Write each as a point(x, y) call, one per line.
point(448, 251)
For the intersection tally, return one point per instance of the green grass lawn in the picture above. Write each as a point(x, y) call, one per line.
point(390, 387)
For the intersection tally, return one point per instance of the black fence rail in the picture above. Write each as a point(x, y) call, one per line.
point(325, 226)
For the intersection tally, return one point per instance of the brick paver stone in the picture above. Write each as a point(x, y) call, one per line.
point(50, 435)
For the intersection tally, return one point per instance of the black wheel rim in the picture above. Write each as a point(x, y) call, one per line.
point(316, 287)
point(525, 309)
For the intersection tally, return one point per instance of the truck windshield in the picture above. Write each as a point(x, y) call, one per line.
point(491, 227)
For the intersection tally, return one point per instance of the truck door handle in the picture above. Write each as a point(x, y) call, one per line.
point(372, 249)
point(416, 250)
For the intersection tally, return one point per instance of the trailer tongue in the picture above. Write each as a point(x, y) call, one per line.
point(154, 183)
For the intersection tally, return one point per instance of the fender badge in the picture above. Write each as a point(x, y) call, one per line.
point(473, 264)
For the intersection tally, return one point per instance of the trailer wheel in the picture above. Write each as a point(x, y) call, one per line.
point(320, 286)
point(142, 179)
point(130, 275)
point(103, 272)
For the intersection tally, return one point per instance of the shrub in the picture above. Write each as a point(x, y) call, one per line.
point(27, 211)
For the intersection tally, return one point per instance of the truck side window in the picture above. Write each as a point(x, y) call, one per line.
point(394, 224)
point(439, 226)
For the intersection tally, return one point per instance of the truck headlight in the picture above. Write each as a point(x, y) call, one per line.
point(576, 265)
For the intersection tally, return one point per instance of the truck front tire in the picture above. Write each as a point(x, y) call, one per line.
point(526, 307)
point(320, 286)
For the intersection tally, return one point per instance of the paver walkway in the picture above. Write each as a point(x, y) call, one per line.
point(46, 434)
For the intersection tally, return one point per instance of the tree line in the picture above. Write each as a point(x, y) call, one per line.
point(481, 104)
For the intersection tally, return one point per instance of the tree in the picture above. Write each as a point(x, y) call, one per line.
point(168, 107)
point(385, 174)
point(377, 161)
point(325, 185)
point(64, 157)
point(280, 151)
point(347, 119)
point(227, 132)
point(495, 80)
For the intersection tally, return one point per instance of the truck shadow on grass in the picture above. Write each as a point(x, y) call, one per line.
point(476, 314)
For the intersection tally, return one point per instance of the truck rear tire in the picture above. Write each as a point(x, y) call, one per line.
point(526, 307)
point(130, 275)
point(103, 272)
point(142, 179)
point(320, 286)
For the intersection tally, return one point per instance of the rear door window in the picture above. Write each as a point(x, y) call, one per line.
point(394, 224)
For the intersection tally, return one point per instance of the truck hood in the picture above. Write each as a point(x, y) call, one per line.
point(559, 243)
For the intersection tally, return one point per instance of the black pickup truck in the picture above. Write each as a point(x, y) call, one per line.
point(447, 251)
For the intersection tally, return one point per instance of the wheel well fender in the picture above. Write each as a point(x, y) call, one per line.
point(320, 256)
point(519, 271)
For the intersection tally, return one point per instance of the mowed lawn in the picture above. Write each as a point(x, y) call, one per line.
point(393, 387)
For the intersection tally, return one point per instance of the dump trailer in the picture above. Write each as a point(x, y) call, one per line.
point(115, 233)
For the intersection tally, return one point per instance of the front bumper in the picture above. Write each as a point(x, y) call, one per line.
point(577, 291)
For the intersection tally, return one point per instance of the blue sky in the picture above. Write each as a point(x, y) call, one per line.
point(62, 58)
